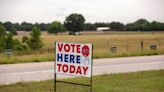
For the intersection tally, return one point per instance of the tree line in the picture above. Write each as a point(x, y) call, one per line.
point(24, 26)
point(73, 23)
point(139, 25)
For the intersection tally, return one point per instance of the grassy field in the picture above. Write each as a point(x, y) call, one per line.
point(148, 81)
point(128, 44)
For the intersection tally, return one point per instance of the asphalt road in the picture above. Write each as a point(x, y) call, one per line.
point(13, 73)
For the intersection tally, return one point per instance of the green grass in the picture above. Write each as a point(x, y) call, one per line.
point(26, 58)
point(147, 81)
point(37, 57)
point(128, 44)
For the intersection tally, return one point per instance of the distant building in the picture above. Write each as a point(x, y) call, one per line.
point(23, 33)
point(77, 33)
point(102, 29)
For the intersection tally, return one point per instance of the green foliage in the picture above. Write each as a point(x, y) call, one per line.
point(43, 26)
point(16, 26)
point(24, 39)
point(26, 26)
point(13, 31)
point(2, 44)
point(157, 25)
point(8, 42)
point(141, 24)
point(2, 36)
point(74, 23)
point(19, 46)
point(144, 25)
point(116, 26)
point(2, 31)
point(12, 28)
point(8, 26)
point(34, 41)
point(89, 26)
point(56, 27)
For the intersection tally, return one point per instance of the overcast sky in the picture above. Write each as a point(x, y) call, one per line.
point(93, 10)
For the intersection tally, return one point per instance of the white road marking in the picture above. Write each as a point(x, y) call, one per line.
point(102, 66)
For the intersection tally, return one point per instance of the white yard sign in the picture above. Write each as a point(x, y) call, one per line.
point(74, 59)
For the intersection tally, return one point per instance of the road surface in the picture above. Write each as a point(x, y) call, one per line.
point(13, 73)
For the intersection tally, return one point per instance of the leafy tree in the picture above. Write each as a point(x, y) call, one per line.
point(34, 41)
point(25, 39)
point(2, 36)
point(157, 26)
point(13, 31)
point(16, 26)
point(11, 27)
point(161, 26)
point(2, 44)
point(116, 26)
point(8, 42)
point(74, 23)
point(141, 24)
point(26, 26)
point(56, 27)
point(89, 26)
point(8, 26)
point(2, 31)
point(43, 26)
point(36, 25)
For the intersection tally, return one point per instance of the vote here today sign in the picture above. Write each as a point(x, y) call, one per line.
point(74, 59)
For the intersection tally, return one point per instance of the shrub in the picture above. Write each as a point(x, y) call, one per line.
point(34, 41)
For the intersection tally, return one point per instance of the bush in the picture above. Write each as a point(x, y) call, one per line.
point(56, 27)
point(2, 45)
point(8, 42)
point(13, 31)
point(34, 41)
point(2, 31)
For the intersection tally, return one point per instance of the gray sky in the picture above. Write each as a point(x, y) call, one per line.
point(93, 10)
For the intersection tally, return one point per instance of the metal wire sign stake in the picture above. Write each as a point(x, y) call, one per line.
point(73, 59)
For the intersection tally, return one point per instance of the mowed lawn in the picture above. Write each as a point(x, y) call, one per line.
point(147, 81)
point(128, 44)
